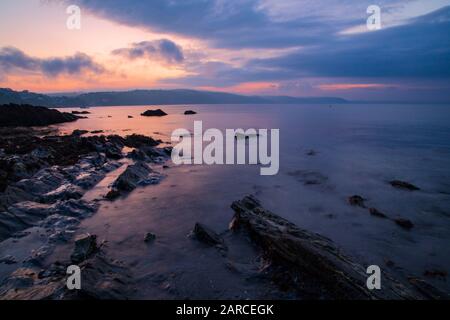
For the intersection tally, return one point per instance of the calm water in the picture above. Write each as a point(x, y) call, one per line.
point(359, 148)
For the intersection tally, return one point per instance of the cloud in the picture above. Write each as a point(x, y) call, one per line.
point(12, 59)
point(163, 50)
point(420, 48)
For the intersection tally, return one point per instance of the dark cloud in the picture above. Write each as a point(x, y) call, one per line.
point(420, 48)
point(225, 24)
point(163, 49)
point(14, 59)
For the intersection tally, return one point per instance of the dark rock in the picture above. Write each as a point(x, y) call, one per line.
point(436, 274)
point(309, 177)
point(189, 112)
point(206, 235)
point(113, 194)
point(357, 201)
point(97, 131)
point(133, 176)
point(80, 112)
point(8, 260)
point(300, 254)
point(427, 290)
point(403, 185)
point(137, 141)
point(13, 115)
point(154, 113)
point(377, 213)
point(130, 117)
point(85, 246)
point(311, 153)
point(404, 223)
point(150, 237)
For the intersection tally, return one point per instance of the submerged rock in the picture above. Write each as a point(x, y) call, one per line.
point(85, 246)
point(189, 112)
point(403, 185)
point(206, 235)
point(377, 213)
point(404, 223)
point(357, 201)
point(154, 113)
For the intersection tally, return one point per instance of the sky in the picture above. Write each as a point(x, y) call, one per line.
point(253, 47)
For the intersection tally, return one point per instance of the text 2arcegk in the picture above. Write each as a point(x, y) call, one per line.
point(246, 309)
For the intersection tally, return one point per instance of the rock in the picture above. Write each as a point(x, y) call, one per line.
point(357, 201)
point(65, 192)
point(427, 290)
point(311, 153)
point(130, 117)
point(97, 131)
point(154, 113)
point(204, 234)
point(403, 185)
point(85, 246)
point(309, 177)
point(295, 253)
point(138, 141)
point(8, 260)
point(377, 213)
point(14, 115)
point(133, 176)
point(189, 112)
point(113, 194)
point(80, 112)
point(404, 223)
point(436, 274)
point(150, 237)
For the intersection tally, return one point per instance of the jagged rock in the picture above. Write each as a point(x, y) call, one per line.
point(154, 113)
point(8, 260)
point(206, 235)
point(427, 290)
point(102, 279)
point(403, 185)
point(134, 175)
point(24, 215)
point(64, 192)
point(404, 223)
point(14, 115)
point(85, 246)
point(357, 201)
point(306, 256)
point(189, 112)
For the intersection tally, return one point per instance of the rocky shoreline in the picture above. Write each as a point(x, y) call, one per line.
point(42, 183)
